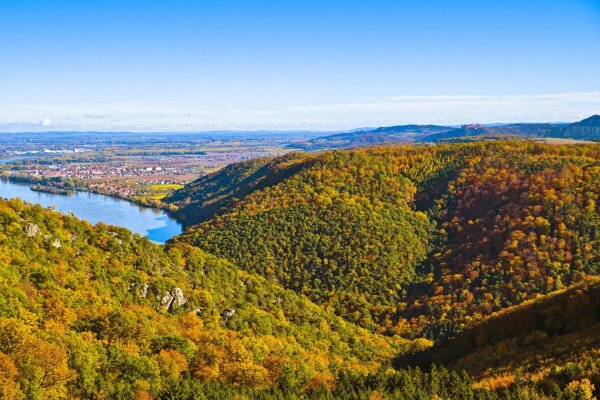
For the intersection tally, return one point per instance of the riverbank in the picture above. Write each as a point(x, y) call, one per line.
point(155, 224)
point(66, 186)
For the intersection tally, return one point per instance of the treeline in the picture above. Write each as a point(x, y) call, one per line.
point(58, 182)
point(405, 384)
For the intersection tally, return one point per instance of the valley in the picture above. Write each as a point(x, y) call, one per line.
point(398, 271)
point(299, 200)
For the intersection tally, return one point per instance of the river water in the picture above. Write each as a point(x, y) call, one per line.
point(154, 224)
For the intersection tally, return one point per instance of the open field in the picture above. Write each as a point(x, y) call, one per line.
point(564, 141)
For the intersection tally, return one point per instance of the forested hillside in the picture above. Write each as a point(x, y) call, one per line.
point(587, 129)
point(420, 240)
point(214, 193)
point(521, 219)
point(342, 230)
point(399, 272)
point(94, 312)
point(555, 337)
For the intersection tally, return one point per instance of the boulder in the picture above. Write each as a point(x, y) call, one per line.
point(178, 297)
point(32, 230)
point(56, 244)
point(227, 313)
point(144, 290)
point(165, 301)
point(172, 299)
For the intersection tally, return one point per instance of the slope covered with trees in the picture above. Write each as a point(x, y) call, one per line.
point(420, 241)
point(554, 337)
point(94, 312)
point(343, 230)
point(215, 193)
point(522, 219)
point(481, 257)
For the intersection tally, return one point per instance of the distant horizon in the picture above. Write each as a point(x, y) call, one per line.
point(395, 110)
point(284, 131)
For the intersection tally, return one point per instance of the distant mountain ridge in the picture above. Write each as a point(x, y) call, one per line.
point(398, 133)
point(587, 129)
point(593, 121)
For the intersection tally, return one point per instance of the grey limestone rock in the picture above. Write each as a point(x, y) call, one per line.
point(172, 299)
point(227, 313)
point(32, 230)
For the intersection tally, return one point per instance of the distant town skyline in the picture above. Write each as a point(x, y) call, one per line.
point(329, 65)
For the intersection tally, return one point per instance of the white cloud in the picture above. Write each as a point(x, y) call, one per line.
point(438, 109)
point(453, 108)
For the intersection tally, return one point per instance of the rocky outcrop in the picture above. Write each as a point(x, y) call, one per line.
point(32, 230)
point(227, 313)
point(144, 290)
point(173, 299)
point(165, 301)
point(56, 244)
point(178, 297)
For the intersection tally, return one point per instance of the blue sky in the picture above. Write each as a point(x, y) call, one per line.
point(200, 65)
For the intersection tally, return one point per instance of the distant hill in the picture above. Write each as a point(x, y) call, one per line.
point(593, 122)
point(399, 133)
point(464, 131)
point(536, 130)
point(587, 129)
point(476, 130)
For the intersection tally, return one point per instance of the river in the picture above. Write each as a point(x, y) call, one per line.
point(154, 224)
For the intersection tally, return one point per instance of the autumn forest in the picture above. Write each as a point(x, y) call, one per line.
point(463, 270)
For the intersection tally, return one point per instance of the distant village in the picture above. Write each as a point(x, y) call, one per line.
point(132, 166)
